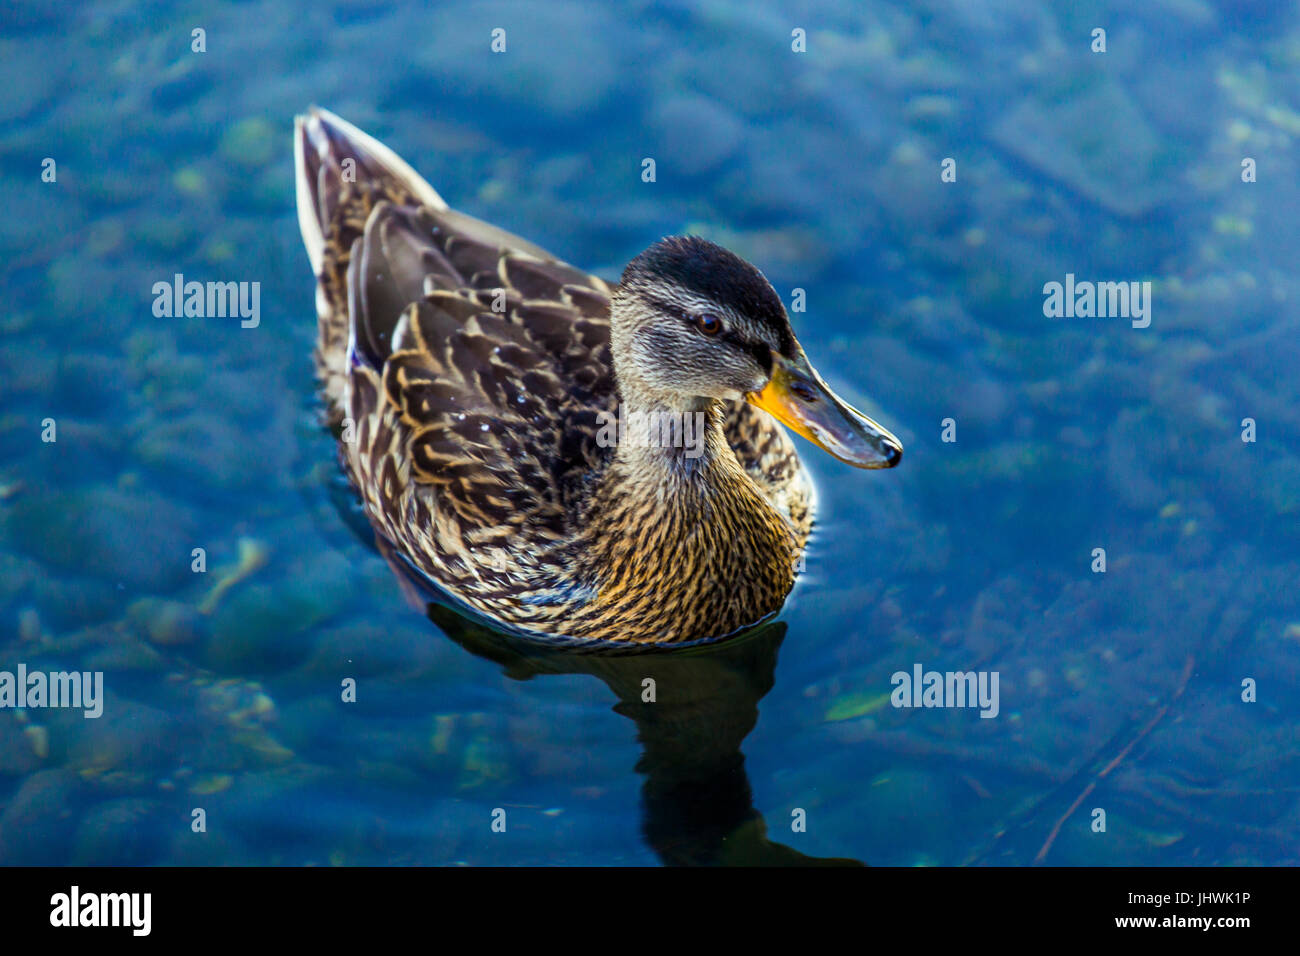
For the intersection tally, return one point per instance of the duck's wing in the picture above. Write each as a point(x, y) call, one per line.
point(473, 363)
point(494, 353)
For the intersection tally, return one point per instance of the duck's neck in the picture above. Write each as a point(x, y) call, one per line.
point(679, 542)
point(663, 443)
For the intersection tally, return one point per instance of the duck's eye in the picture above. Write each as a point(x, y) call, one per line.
point(708, 323)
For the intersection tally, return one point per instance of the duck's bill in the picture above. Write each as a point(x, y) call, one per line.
point(799, 398)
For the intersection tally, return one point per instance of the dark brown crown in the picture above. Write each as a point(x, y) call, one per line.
point(716, 274)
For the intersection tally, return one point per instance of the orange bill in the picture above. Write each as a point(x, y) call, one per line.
point(797, 396)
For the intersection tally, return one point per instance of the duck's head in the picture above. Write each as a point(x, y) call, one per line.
point(692, 322)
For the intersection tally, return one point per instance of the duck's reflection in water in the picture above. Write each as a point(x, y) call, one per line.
point(691, 721)
point(697, 803)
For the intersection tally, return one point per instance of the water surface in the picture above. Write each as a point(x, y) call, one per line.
point(924, 303)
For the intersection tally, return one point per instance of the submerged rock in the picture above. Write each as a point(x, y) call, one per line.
point(1095, 141)
point(528, 76)
point(166, 622)
point(37, 825)
point(126, 832)
point(17, 755)
point(137, 538)
point(696, 135)
point(128, 736)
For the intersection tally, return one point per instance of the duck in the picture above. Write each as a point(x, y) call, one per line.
point(481, 390)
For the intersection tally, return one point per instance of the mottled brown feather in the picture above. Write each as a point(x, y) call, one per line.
point(473, 367)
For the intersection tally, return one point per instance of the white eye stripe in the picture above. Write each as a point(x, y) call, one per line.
point(692, 303)
point(688, 305)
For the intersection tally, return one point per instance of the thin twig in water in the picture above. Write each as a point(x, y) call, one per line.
point(1117, 759)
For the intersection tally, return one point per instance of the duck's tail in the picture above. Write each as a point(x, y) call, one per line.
point(328, 152)
point(342, 174)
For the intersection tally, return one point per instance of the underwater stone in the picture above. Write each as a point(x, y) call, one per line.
point(250, 142)
point(1097, 142)
point(29, 79)
point(138, 538)
point(265, 628)
point(696, 134)
point(1281, 485)
point(166, 622)
point(125, 832)
point(69, 602)
point(204, 450)
point(528, 76)
point(129, 736)
point(36, 827)
point(126, 653)
point(180, 85)
point(17, 756)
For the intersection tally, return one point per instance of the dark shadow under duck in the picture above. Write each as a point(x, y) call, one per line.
point(477, 384)
point(693, 708)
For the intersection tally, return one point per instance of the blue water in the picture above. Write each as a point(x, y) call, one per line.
point(1120, 691)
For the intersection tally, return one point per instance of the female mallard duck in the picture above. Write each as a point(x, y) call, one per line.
point(475, 380)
